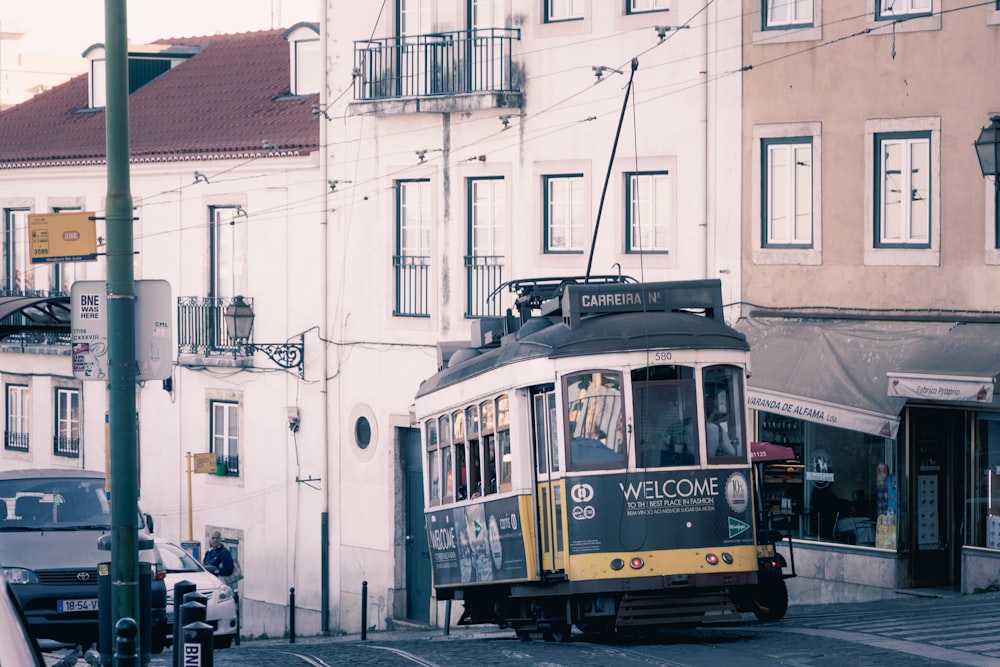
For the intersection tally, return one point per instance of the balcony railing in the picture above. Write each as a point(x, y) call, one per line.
point(228, 465)
point(443, 63)
point(66, 446)
point(201, 328)
point(484, 275)
point(15, 441)
point(411, 285)
point(17, 319)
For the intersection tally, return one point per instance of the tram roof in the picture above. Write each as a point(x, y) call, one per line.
point(617, 332)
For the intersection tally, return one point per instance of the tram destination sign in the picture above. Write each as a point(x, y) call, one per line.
point(580, 301)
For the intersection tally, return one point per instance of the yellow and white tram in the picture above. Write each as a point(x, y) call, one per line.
point(586, 463)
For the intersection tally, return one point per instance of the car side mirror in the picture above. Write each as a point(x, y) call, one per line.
point(149, 522)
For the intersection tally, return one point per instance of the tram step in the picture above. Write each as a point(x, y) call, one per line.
point(674, 610)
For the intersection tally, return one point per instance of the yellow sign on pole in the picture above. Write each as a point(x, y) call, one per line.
point(205, 463)
point(62, 237)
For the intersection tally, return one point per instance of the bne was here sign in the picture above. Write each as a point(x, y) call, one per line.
point(89, 330)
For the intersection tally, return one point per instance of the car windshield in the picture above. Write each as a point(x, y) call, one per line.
point(176, 559)
point(53, 503)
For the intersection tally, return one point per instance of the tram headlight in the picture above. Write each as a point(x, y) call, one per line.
point(617, 564)
point(636, 563)
point(711, 559)
point(727, 558)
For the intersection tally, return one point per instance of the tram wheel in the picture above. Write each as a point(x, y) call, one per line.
point(771, 599)
point(523, 635)
point(559, 633)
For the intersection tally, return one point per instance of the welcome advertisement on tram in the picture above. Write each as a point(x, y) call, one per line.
point(689, 509)
point(478, 542)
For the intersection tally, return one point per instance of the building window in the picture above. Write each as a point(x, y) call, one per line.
point(67, 427)
point(903, 192)
point(225, 437)
point(786, 197)
point(17, 274)
point(16, 435)
point(98, 84)
point(228, 252)
point(982, 521)
point(64, 274)
point(563, 10)
point(487, 232)
point(643, 6)
point(565, 213)
point(894, 9)
point(649, 217)
point(413, 241)
point(307, 72)
point(781, 14)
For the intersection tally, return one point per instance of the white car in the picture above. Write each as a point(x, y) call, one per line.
point(174, 564)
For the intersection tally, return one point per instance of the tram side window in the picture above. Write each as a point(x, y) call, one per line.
point(475, 452)
point(444, 431)
point(594, 419)
point(489, 448)
point(503, 442)
point(545, 425)
point(461, 456)
point(723, 392)
point(665, 412)
point(433, 460)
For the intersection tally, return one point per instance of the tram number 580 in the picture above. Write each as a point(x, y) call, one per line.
point(662, 355)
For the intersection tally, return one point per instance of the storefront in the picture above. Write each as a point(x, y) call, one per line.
point(896, 435)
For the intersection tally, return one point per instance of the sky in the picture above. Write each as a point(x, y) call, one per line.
point(68, 27)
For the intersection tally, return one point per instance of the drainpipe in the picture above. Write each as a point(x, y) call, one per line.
point(710, 225)
point(324, 318)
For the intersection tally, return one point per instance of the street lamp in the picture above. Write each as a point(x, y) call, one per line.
point(988, 151)
point(238, 316)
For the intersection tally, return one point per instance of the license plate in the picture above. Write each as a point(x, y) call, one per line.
point(77, 605)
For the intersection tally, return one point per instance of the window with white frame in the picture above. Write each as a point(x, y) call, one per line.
point(643, 6)
point(17, 274)
point(413, 242)
point(787, 198)
point(649, 214)
point(228, 252)
point(487, 241)
point(892, 9)
point(565, 213)
point(98, 83)
point(308, 71)
point(16, 434)
point(67, 426)
point(563, 10)
point(64, 274)
point(903, 192)
point(225, 436)
point(787, 13)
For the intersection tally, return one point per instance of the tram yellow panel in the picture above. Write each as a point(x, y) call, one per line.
point(662, 563)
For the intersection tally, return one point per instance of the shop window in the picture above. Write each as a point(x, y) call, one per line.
point(983, 503)
point(841, 487)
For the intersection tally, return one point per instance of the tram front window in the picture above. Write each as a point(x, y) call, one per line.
point(594, 419)
point(723, 414)
point(665, 410)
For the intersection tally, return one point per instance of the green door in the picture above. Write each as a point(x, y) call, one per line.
point(418, 558)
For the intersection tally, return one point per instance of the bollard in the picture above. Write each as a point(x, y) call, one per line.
point(126, 631)
point(192, 611)
point(364, 610)
point(291, 615)
point(181, 588)
point(197, 649)
point(447, 617)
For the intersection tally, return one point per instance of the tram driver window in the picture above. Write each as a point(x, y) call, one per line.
point(594, 419)
point(664, 407)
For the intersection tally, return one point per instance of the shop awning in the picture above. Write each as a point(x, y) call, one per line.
point(768, 451)
point(859, 374)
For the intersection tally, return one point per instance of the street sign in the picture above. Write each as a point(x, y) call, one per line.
point(89, 330)
point(205, 463)
point(62, 237)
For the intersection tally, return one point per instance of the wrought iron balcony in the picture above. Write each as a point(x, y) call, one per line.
point(201, 327)
point(412, 274)
point(29, 333)
point(484, 276)
point(436, 64)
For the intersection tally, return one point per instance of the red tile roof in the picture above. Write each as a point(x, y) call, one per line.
point(223, 102)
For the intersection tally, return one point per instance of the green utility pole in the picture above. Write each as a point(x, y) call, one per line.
point(123, 446)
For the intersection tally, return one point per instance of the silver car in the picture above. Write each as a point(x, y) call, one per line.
point(174, 565)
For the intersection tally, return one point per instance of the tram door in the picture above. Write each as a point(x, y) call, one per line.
point(550, 484)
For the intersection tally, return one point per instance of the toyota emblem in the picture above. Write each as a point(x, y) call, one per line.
point(83, 576)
